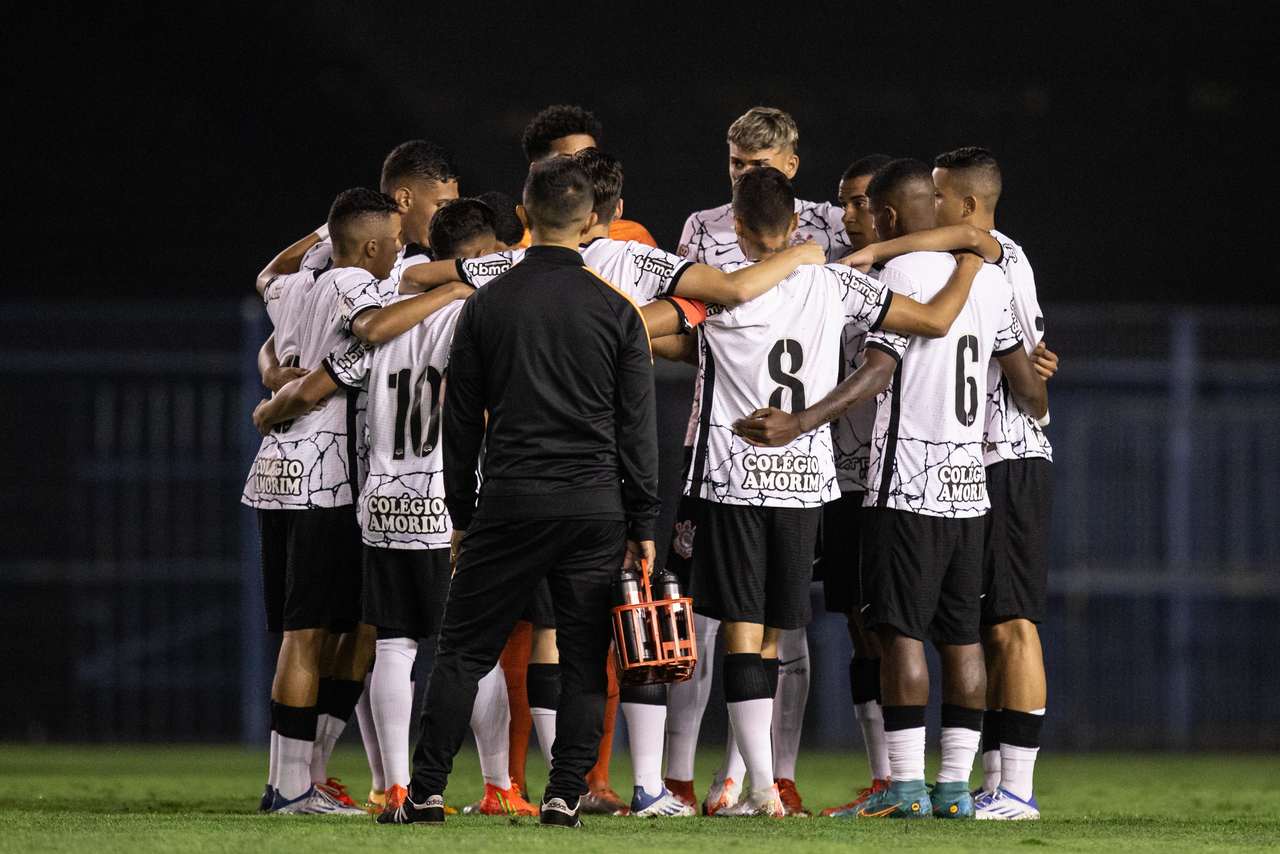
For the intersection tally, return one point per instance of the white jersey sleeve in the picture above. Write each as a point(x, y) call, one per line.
point(851, 432)
point(478, 272)
point(319, 258)
point(1012, 434)
point(823, 222)
point(348, 366)
point(642, 272)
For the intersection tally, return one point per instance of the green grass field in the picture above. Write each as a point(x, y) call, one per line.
point(96, 800)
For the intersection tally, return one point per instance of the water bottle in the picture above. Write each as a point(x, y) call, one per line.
point(673, 623)
point(635, 630)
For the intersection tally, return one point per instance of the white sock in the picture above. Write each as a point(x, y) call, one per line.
point(369, 735)
point(294, 770)
point(751, 723)
point(871, 718)
point(734, 767)
point(491, 725)
point(1018, 766)
point(990, 770)
point(906, 753)
point(959, 746)
point(688, 700)
point(645, 725)
point(544, 724)
point(328, 731)
point(790, 701)
point(273, 761)
point(391, 699)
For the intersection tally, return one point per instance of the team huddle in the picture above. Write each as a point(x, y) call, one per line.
point(869, 412)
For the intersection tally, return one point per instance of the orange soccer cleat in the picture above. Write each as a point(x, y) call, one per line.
point(850, 809)
point(501, 802)
point(791, 801)
point(682, 789)
point(333, 788)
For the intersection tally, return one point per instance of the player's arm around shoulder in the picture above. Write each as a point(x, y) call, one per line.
point(380, 325)
point(731, 289)
point(933, 319)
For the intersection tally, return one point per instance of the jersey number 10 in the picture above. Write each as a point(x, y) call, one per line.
point(409, 405)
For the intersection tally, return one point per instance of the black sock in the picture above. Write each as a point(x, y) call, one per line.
point(965, 718)
point(646, 695)
point(340, 701)
point(297, 722)
point(991, 721)
point(745, 677)
point(771, 666)
point(543, 685)
point(1021, 729)
point(864, 680)
point(903, 717)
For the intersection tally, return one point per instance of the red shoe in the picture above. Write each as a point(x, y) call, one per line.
point(851, 809)
point(604, 801)
point(501, 802)
point(396, 796)
point(791, 798)
point(334, 788)
point(683, 790)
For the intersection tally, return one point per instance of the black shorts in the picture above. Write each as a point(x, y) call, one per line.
point(405, 590)
point(1015, 559)
point(922, 575)
point(540, 610)
point(754, 564)
point(839, 552)
point(680, 555)
point(311, 568)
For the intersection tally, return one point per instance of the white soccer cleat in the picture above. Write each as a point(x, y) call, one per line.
point(722, 795)
point(316, 801)
point(663, 804)
point(766, 803)
point(1003, 805)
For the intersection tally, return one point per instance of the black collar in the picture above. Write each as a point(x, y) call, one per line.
point(554, 255)
point(591, 241)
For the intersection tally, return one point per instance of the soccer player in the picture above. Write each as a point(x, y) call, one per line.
point(1018, 458)
point(763, 136)
point(922, 543)
point(762, 506)
point(303, 484)
point(507, 227)
point(405, 529)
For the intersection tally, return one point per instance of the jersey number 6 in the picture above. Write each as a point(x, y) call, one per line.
point(409, 408)
point(786, 378)
point(966, 385)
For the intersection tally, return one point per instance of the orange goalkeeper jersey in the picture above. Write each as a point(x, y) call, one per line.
point(619, 229)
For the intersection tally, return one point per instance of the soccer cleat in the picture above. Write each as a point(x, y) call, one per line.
point(682, 789)
point(602, 802)
point(951, 800)
point(314, 801)
point(766, 803)
point(268, 798)
point(663, 804)
point(722, 795)
point(556, 813)
point(850, 810)
point(791, 798)
point(500, 802)
point(899, 800)
point(430, 811)
point(1003, 805)
point(333, 788)
point(376, 801)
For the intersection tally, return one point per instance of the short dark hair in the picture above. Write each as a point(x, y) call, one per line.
point(895, 175)
point(606, 180)
point(555, 122)
point(865, 166)
point(419, 159)
point(456, 222)
point(764, 200)
point(353, 205)
point(557, 193)
point(979, 165)
point(507, 226)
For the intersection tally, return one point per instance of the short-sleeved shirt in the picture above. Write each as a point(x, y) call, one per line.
point(402, 501)
point(851, 432)
point(781, 349)
point(926, 449)
point(1012, 434)
point(307, 462)
point(708, 236)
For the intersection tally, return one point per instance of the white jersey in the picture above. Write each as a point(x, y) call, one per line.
point(781, 349)
point(1012, 434)
point(708, 236)
point(319, 258)
point(640, 271)
point(305, 463)
point(851, 432)
point(926, 450)
point(402, 502)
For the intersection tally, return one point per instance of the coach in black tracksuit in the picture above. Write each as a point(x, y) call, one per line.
point(560, 361)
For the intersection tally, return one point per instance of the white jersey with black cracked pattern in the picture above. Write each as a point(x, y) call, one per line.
point(305, 463)
point(708, 237)
point(402, 501)
point(926, 449)
point(781, 349)
point(1012, 434)
point(851, 432)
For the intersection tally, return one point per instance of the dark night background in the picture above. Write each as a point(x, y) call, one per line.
point(176, 149)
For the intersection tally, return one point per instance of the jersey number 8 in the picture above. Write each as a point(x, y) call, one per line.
point(786, 378)
point(409, 404)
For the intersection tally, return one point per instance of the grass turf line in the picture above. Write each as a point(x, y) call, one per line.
point(106, 799)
